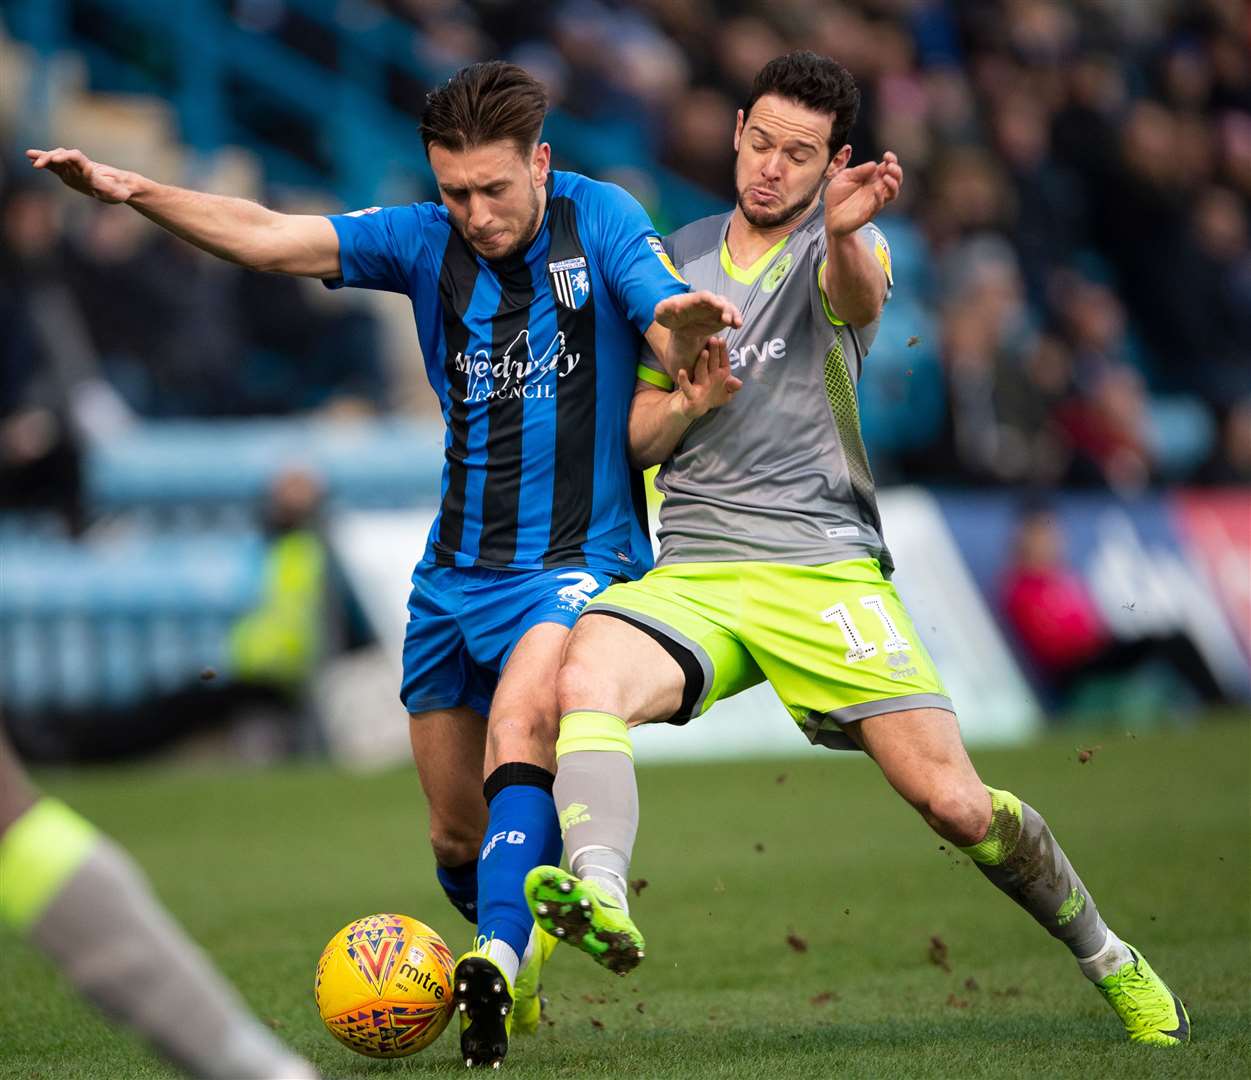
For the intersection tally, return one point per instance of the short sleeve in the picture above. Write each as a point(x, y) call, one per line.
point(639, 272)
point(379, 247)
point(875, 240)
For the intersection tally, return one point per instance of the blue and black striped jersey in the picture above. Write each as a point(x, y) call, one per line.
point(534, 361)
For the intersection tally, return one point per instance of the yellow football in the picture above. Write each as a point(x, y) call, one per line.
point(384, 986)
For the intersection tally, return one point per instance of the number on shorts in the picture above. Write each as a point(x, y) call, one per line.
point(857, 648)
point(895, 641)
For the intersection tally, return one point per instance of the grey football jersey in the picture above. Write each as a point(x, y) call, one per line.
point(779, 474)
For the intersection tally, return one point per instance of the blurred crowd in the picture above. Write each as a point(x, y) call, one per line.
point(174, 333)
point(1073, 228)
point(1073, 270)
point(107, 320)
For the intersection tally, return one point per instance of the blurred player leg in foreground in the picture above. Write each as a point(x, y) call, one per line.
point(84, 903)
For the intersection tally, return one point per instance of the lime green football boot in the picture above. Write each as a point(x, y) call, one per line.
point(527, 991)
point(1150, 1011)
point(584, 914)
point(484, 1003)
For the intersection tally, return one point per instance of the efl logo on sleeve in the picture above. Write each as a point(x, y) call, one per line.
point(882, 250)
point(658, 249)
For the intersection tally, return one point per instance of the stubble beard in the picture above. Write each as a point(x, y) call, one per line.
point(771, 219)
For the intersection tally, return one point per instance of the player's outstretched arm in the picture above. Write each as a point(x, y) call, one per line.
point(659, 418)
point(684, 323)
point(237, 230)
point(855, 283)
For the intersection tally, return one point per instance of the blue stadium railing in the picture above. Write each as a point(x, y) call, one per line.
point(372, 149)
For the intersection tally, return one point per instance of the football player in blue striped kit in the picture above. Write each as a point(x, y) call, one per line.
point(531, 289)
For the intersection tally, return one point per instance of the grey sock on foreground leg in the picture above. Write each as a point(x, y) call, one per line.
point(109, 935)
point(598, 803)
point(1021, 857)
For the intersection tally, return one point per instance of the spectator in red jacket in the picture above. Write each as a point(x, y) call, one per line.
point(1060, 627)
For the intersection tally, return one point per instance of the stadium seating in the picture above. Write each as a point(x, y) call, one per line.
point(133, 613)
point(207, 64)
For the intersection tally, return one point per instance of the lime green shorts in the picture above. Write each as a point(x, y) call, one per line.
point(834, 641)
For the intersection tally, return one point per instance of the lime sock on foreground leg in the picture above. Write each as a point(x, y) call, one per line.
point(1021, 857)
point(82, 900)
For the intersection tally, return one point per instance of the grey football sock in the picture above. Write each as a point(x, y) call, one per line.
point(598, 802)
point(1021, 857)
point(118, 945)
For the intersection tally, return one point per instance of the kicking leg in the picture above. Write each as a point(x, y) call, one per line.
point(923, 757)
point(449, 747)
point(614, 676)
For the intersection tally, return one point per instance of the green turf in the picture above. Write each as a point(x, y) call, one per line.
point(264, 867)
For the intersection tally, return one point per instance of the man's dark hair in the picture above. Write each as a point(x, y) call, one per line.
point(816, 82)
point(485, 103)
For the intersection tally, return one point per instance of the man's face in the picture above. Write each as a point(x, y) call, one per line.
point(783, 160)
point(493, 194)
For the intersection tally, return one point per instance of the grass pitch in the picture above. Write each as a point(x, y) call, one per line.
point(801, 920)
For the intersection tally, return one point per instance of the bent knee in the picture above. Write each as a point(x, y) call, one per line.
point(522, 735)
point(454, 847)
point(961, 816)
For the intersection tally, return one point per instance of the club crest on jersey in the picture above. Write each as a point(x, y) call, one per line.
point(571, 282)
point(777, 272)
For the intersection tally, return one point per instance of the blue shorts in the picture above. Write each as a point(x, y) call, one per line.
point(463, 625)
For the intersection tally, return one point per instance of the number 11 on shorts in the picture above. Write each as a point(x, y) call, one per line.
point(857, 648)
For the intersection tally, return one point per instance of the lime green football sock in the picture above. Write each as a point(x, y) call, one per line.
point(597, 798)
point(82, 900)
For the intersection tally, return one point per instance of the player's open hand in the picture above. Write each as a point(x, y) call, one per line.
point(855, 195)
point(697, 314)
point(709, 384)
point(78, 171)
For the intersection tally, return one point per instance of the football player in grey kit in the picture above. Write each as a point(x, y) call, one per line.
point(772, 559)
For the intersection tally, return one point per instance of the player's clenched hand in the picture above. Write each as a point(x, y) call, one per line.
point(709, 385)
point(699, 314)
point(78, 171)
point(855, 195)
